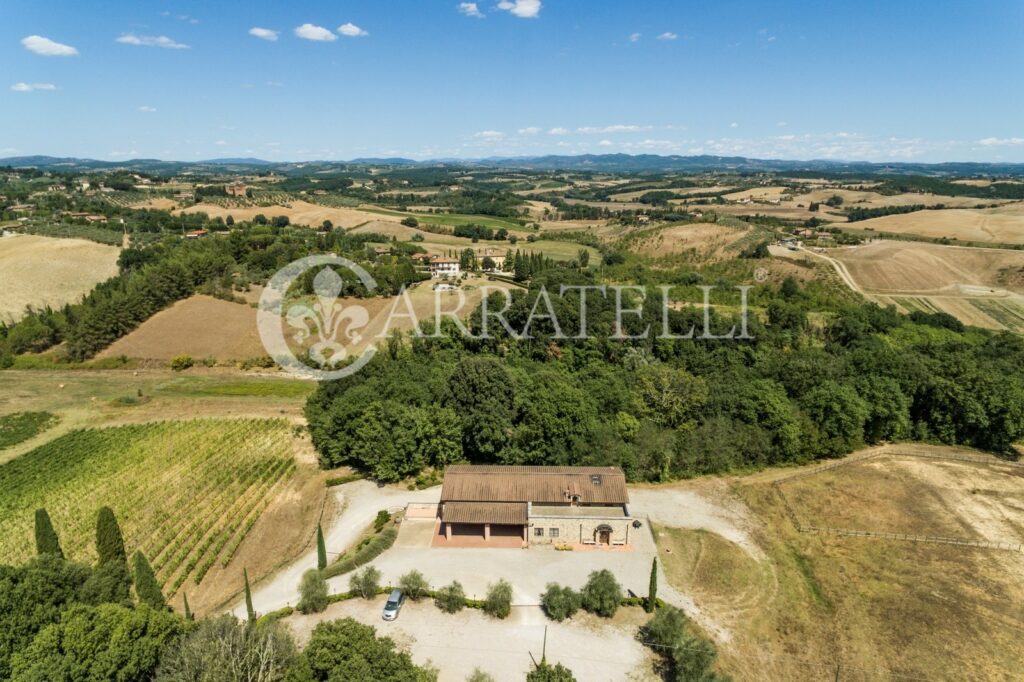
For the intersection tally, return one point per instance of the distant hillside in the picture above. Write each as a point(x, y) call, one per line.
point(624, 163)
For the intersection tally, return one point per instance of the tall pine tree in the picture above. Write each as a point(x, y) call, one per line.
point(249, 610)
point(47, 541)
point(146, 586)
point(652, 589)
point(112, 579)
point(321, 549)
point(109, 541)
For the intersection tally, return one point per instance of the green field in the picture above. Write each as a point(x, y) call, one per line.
point(185, 492)
point(20, 426)
point(257, 388)
point(454, 219)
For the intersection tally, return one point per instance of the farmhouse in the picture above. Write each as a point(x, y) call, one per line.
point(536, 505)
point(236, 189)
point(444, 267)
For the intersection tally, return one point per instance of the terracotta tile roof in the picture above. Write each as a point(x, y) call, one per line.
point(540, 484)
point(512, 513)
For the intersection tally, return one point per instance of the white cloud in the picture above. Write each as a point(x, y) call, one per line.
point(263, 33)
point(1001, 141)
point(667, 35)
point(220, 143)
point(47, 47)
point(350, 30)
point(29, 87)
point(524, 9)
point(634, 37)
point(312, 32)
point(605, 143)
point(489, 135)
point(781, 124)
point(558, 131)
point(734, 125)
point(152, 41)
point(147, 110)
point(531, 130)
point(470, 10)
point(591, 130)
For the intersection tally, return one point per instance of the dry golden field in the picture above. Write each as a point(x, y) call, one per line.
point(884, 266)
point(199, 326)
point(1002, 225)
point(205, 327)
point(869, 199)
point(45, 271)
point(803, 605)
point(706, 241)
point(757, 194)
point(298, 212)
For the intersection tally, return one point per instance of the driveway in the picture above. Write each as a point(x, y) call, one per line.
point(359, 501)
point(528, 570)
point(594, 649)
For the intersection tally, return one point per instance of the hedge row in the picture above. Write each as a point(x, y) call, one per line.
point(365, 554)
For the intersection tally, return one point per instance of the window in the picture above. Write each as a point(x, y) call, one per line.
point(539, 532)
point(553, 532)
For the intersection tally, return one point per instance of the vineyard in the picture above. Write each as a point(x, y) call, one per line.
point(185, 492)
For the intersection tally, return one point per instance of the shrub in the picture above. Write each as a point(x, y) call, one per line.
point(685, 656)
point(181, 362)
point(479, 675)
point(313, 592)
point(414, 585)
point(382, 520)
point(410, 222)
point(560, 602)
point(498, 602)
point(365, 583)
point(602, 594)
point(545, 672)
point(451, 598)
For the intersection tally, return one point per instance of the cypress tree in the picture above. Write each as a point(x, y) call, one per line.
point(250, 611)
point(47, 541)
point(109, 541)
point(321, 549)
point(146, 586)
point(652, 590)
point(188, 611)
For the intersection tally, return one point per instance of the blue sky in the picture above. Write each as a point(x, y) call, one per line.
point(865, 80)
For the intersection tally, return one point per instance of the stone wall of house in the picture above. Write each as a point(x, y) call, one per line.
point(575, 530)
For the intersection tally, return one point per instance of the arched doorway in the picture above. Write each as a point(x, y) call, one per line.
point(603, 534)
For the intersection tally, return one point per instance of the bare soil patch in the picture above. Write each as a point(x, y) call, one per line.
point(199, 326)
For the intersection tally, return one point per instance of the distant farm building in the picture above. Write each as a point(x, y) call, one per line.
point(441, 266)
point(522, 505)
point(236, 189)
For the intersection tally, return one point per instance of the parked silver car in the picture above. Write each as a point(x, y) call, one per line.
point(394, 604)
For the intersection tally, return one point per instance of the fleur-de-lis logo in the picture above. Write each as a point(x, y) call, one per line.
point(331, 326)
point(325, 317)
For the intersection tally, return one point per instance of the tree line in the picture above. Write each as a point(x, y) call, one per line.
point(669, 408)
